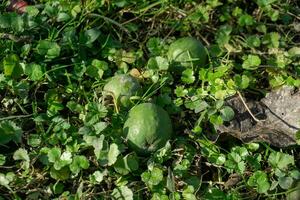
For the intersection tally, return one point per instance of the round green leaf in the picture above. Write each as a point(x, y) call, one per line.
point(21, 154)
point(123, 193)
point(2, 159)
point(78, 163)
point(12, 67)
point(54, 154)
point(227, 113)
point(188, 76)
point(62, 174)
point(251, 62)
point(48, 49)
point(285, 182)
point(113, 154)
point(34, 71)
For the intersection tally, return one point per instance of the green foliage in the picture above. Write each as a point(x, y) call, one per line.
point(153, 177)
point(11, 66)
point(251, 62)
point(236, 160)
point(122, 192)
point(2, 159)
point(188, 76)
point(10, 132)
point(259, 180)
point(62, 136)
point(48, 49)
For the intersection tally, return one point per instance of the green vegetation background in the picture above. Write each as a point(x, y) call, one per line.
point(59, 138)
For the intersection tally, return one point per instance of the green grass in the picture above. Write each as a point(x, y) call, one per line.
point(60, 138)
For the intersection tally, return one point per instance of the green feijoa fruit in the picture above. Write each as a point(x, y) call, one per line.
point(147, 128)
point(121, 88)
point(187, 52)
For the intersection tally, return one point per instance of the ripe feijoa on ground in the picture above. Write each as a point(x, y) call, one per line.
point(122, 87)
point(147, 128)
point(187, 52)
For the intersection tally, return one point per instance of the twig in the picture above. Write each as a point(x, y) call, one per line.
point(142, 11)
point(115, 104)
point(247, 108)
point(212, 182)
point(204, 39)
point(110, 21)
point(15, 38)
point(15, 117)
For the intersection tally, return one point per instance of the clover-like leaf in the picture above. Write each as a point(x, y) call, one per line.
point(113, 154)
point(246, 20)
point(64, 159)
point(34, 71)
point(90, 36)
point(97, 176)
point(259, 179)
point(162, 63)
point(54, 154)
point(155, 46)
point(97, 143)
point(251, 62)
point(285, 182)
point(48, 49)
point(253, 41)
point(78, 163)
point(21, 154)
point(280, 160)
point(241, 82)
point(2, 159)
point(154, 177)
point(180, 91)
point(62, 17)
point(97, 69)
point(188, 193)
point(95, 112)
point(123, 193)
point(216, 119)
point(4, 180)
point(227, 113)
point(12, 67)
point(9, 131)
point(188, 76)
point(61, 174)
point(126, 164)
point(271, 40)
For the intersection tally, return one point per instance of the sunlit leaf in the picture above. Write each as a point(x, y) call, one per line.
point(48, 49)
point(9, 131)
point(12, 67)
point(21, 154)
point(251, 62)
point(123, 193)
point(113, 153)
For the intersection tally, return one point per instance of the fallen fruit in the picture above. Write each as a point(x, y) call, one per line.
point(18, 5)
point(121, 88)
point(187, 52)
point(147, 128)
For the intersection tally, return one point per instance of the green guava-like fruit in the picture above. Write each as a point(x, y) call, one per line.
point(187, 52)
point(147, 128)
point(121, 88)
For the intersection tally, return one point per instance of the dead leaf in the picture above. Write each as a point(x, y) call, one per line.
point(279, 113)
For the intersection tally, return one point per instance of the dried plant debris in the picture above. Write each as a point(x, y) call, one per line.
point(278, 114)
